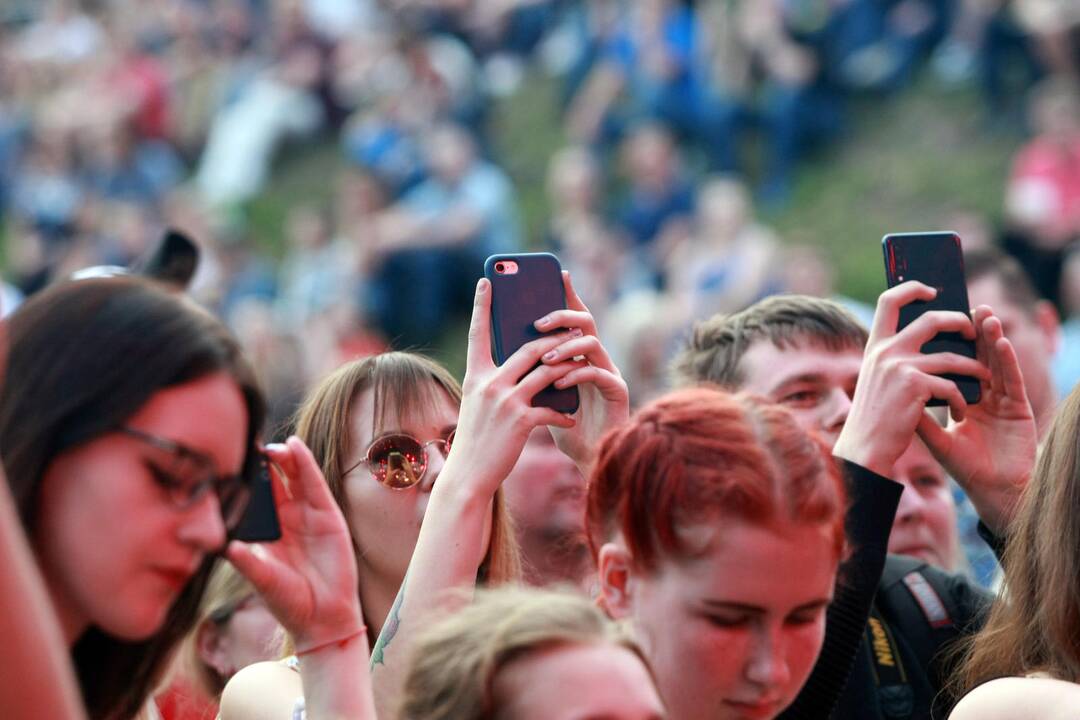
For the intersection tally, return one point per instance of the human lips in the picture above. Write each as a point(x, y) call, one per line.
point(755, 709)
point(174, 577)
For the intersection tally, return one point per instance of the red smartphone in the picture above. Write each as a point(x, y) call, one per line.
point(935, 259)
point(524, 288)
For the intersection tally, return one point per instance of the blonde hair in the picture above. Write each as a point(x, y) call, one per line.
point(456, 660)
point(1034, 626)
point(225, 591)
point(404, 385)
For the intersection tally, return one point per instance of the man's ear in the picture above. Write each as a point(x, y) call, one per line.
point(1046, 315)
point(616, 572)
point(211, 644)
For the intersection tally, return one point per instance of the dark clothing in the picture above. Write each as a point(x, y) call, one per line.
point(879, 588)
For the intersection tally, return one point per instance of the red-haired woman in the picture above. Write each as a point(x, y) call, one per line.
point(718, 525)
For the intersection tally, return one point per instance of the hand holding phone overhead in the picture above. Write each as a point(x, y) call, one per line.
point(934, 259)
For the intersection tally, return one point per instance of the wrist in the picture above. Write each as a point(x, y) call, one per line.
point(864, 454)
point(330, 642)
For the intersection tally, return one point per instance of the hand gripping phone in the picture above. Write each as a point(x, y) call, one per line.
point(934, 259)
point(524, 288)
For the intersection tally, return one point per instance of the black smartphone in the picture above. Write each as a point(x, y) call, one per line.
point(524, 288)
point(935, 259)
point(260, 520)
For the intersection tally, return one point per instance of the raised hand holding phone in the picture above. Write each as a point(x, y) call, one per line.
point(605, 398)
point(524, 288)
point(934, 259)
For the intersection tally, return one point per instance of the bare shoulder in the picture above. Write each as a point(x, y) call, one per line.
point(263, 691)
point(1020, 698)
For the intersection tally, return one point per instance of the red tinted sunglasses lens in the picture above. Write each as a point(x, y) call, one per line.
point(397, 461)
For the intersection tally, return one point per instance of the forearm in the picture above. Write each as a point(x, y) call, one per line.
point(337, 683)
point(447, 557)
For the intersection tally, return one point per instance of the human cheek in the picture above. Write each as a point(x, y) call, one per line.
point(803, 644)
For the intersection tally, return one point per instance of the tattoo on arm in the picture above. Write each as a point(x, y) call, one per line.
point(393, 622)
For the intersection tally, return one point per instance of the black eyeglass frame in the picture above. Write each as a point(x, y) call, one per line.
point(233, 491)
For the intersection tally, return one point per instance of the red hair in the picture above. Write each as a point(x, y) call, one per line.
point(702, 453)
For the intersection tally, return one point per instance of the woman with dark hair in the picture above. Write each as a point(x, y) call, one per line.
point(717, 525)
point(128, 421)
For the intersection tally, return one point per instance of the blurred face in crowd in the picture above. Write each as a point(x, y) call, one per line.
point(726, 639)
point(545, 492)
point(925, 525)
point(1034, 337)
point(247, 635)
point(114, 549)
point(569, 682)
point(450, 154)
point(385, 522)
point(813, 382)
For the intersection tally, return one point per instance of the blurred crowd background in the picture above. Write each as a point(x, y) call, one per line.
point(347, 165)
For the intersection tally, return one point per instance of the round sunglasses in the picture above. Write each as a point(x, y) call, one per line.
point(399, 461)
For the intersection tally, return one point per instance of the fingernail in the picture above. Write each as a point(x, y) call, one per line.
point(276, 447)
point(576, 332)
point(481, 286)
point(560, 383)
point(550, 355)
point(546, 320)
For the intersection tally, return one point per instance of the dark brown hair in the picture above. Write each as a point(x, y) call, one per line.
point(1016, 285)
point(1034, 626)
point(84, 356)
point(716, 346)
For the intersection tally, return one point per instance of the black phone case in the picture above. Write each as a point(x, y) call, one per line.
point(519, 300)
point(260, 520)
point(934, 259)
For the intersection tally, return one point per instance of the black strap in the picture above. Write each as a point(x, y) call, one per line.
point(896, 697)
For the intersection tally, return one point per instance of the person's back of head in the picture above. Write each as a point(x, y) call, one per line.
point(85, 356)
point(515, 653)
point(716, 346)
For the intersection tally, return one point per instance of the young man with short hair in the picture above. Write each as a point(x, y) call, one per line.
point(807, 354)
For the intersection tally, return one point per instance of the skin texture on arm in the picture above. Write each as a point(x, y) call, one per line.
point(44, 685)
point(495, 421)
point(1018, 698)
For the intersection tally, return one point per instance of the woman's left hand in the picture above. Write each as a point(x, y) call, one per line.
point(605, 400)
point(308, 577)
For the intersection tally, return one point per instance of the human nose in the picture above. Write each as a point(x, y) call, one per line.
point(202, 526)
point(767, 665)
point(436, 458)
point(912, 505)
point(834, 414)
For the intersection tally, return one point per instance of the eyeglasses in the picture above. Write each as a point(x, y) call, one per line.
point(399, 461)
point(192, 475)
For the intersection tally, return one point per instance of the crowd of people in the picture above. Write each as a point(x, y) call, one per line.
point(752, 513)
point(665, 105)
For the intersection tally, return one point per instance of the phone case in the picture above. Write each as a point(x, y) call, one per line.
point(935, 259)
point(517, 301)
point(260, 520)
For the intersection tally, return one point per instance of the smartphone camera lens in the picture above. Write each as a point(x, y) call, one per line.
point(500, 267)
